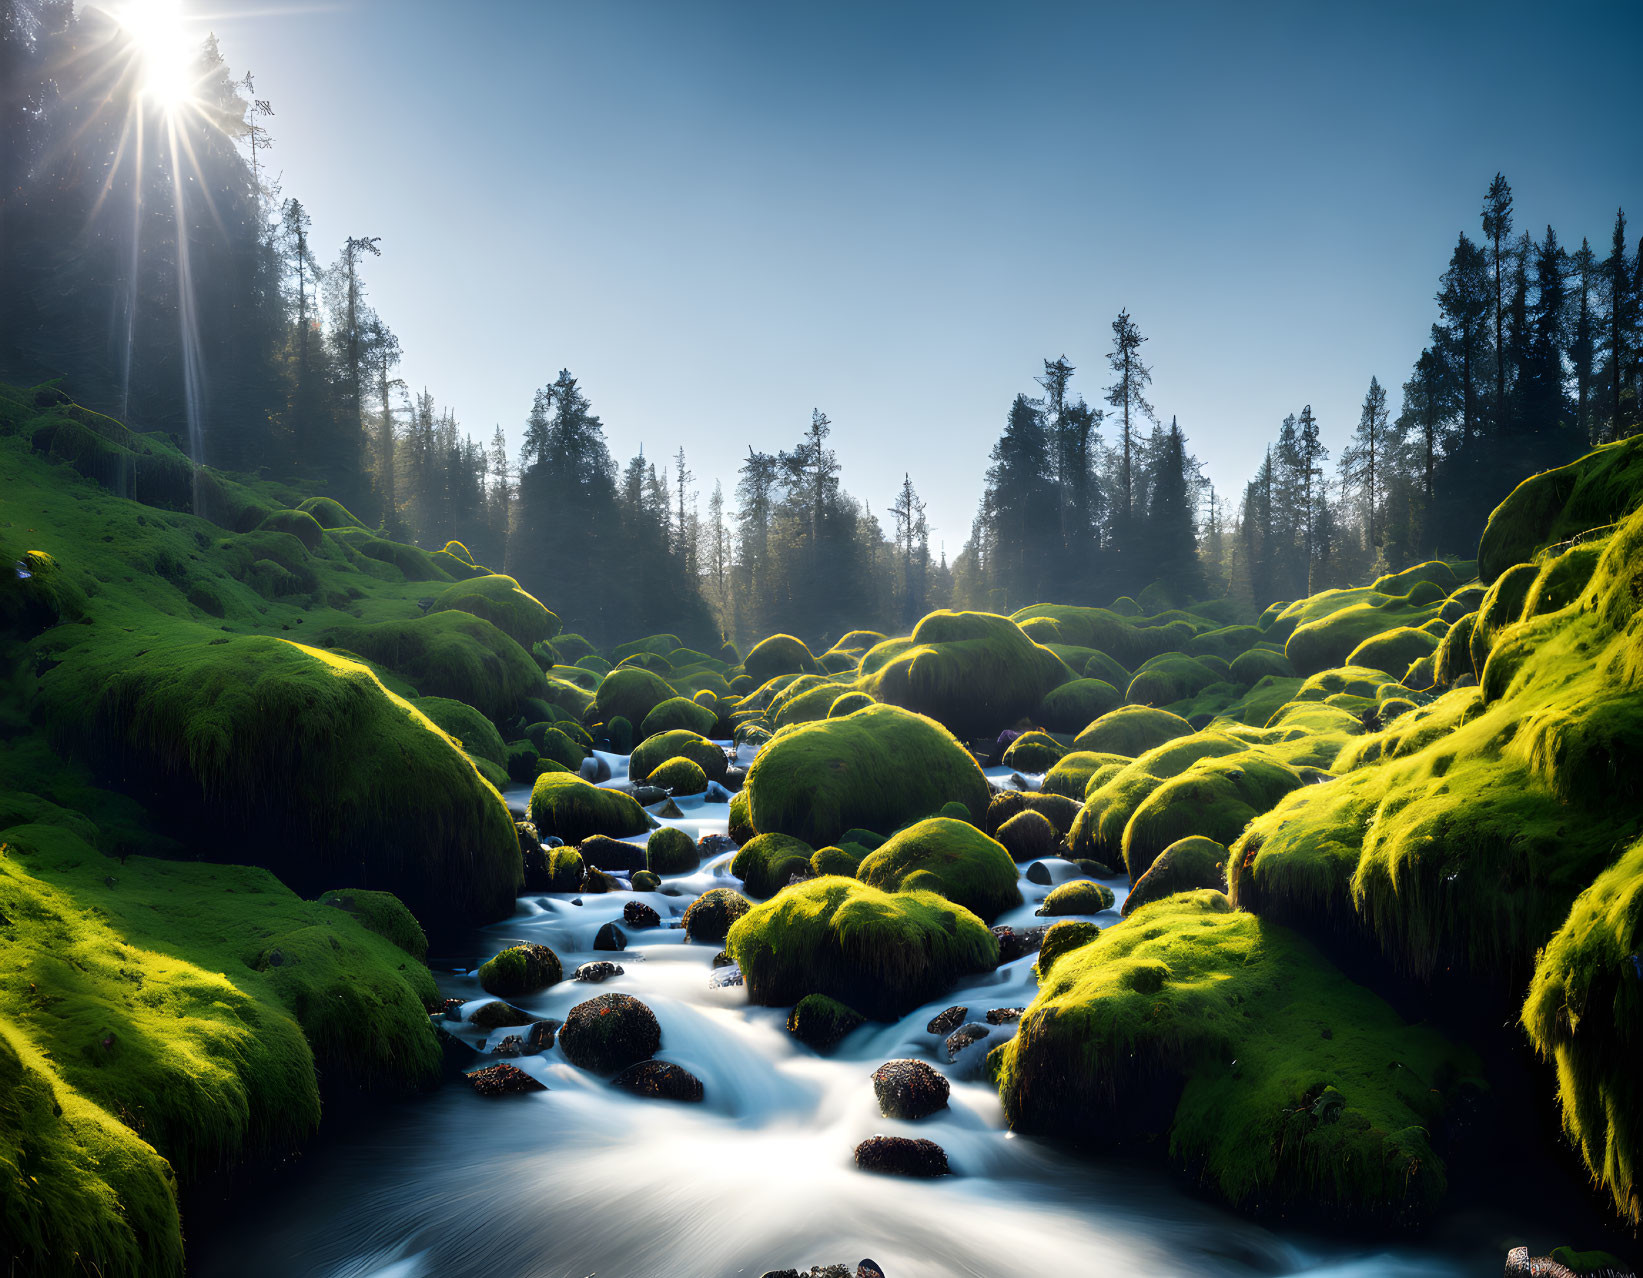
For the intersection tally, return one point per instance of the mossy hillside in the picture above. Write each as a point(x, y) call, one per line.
point(1249, 668)
point(471, 730)
point(1074, 706)
point(630, 693)
point(678, 713)
point(950, 858)
point(766, 862)
point(681, 743)
point(1279, 1084)
point(1584, 1014)
point(501, 601)
point(1214, 797)
point(971, 671)
point(1502, 606)
point(572, 809)
point(296, 759)
point(1131, 731)
point(881, 953)
point(1334, 623)
point(1453, 658)
point(1124, 639)
point(878, 768)
point(1395, 650)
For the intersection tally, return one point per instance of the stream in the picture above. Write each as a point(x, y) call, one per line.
point(583, 1181)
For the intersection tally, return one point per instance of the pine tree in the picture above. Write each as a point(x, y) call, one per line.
point(1128, 395)
point(1619, 335)
point(1172, 535)
point(1497, 230)
point(1464, 301)
point(1583, 342)
point(1364, 462)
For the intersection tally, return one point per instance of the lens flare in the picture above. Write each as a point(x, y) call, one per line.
point(164, 50)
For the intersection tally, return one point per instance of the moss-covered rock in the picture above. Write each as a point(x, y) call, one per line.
point(608, 1033)
point(1597, 490)
point(878, 768)
point(709, 917)
point(1215, 797)
point(766, 862)
point(1029, 836)
point(820, 1022)
point(1072, 772)
point(1081, 896)
point(329, 513)
point(1249, 668)
point(671, 851)
point(383, 913)
point(778, 655)
point(1131, 731)
point(572, 809)
point(972, 671)
point(848, 703)
point(1394, 650)
point(1453, 658)
point(678, 743)
point(1035, 752)
point(679, 776)
point(1276, 1081)
point(1074, 706)
point(1167, 678)
point(1186, 865)
point(501, 601)
point(878, 952)
point(519, 970)
point(630, 693)
point(298, 523)
point(678, 713)
point(842, 859)
point(950, 858)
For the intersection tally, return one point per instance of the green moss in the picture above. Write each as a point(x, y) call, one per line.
point(470, 729)
point(805, 699)
point(821, 1021)
point(741, 821)
point(520, 970)
point(1131, 731)
point(1335, 622)
point(1394, 650)
point(1168, 678)
point(843, 859)
point(679, 776)
point(1186, 865)
point(383, 913)
point(449, 654)
point(878, 952)
point(778, 654)
point(1074, 706)
point(678, 713)
point(766, 862)
point(298, 523)
point(329, 513)
point(1072, 772)
point(521, 762)
point(565, 869)
point(1251, 667)
point(654, 751)
point(671, 851)
point(1454, 655)
point(972, 671)
point(572, 809)
point(501, 601)
point(1081, 896)
point(630, 693)
point(709, 917)
point(950, 858)
point(553, 742)
point(849, 703)
point(1593, 492)
point(880, 768)
point(661, 645)
point(296, 759)
point(1279, 1084)
point(1034, 752)
point(1562, 578)
point(1215, 797)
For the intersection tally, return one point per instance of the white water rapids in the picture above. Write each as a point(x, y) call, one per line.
point(583, 1181)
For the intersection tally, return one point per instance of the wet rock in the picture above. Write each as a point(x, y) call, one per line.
point(902, 1156)
point(593, 973)
point(647, 796)
point(610, 937)
point(638, 914)
point(1014, 943)
point(512, 1045)
point(606, 853)
point(722, 959)
point(598, 881)
point(659, 1080)
point(710, 915)
point(1028, 835)
point(1062, 937)
point(520, 969)
point(820, 1022)
point(1004, 1015)
point(595, 769)
point(646, 881)
point(451, 1009)
point(716, 793)
point(735, 778)
point(909, 1089)
point(944, 1023)
point(498, 1015)
point(723, 978)
point(609, 1032)
point(964, 1036)
point(671, 810)
point(1038, 872)
point(503, 1080)
point(539, 1037)
point(711, 845)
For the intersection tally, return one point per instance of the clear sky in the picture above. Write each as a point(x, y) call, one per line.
point(719, 215)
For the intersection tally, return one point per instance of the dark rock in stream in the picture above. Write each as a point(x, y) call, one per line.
point(1038, 873)
point(503, 1080)
point(722, 959)
point(512, 1045)
point(638, 914)
point(451, 1009)
point(909, 1089)
point(902, 1156)
point(711, 845)
point(964, 1036)
point(671, 810)
point(596, 881)
point(611, 854)
point(646, 796)
point(659, 1080)
point(498, 1015)
point(1016, 943)
point(1520, 1264)
point(610, 1032)
point(539, 1037)
point(595, 769)
point(1004, 1015)
point(593, 973)
point(610, 937)
point(944, 1023)
point(716, 793)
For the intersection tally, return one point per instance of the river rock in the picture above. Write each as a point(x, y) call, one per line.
point(498, 1015)
point(512, 1045)
point(660, 1080)
point(944, 1023)
point(638, 914)
point(716, 793)
point(596, 881)
point(820, 1022)
point(539, 1037)
point(610, 937)
point(611, 854)
point(593, 973)
point(726, 977)
point(1004, 1015)
point(671, 810)
point(710, 915)
point(909, 1089)
point(451, 1009)
point(710, 845)
point(503, 1080)
point(1014, 943)
point(963, 1036)
point(646, 796)
point(595, 769)
point(610, 1032)
point(902, 1156)
point(648, 881)
point(1038, 872)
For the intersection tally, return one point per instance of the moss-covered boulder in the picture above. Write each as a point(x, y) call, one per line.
point(519, 970)
point(950, 858)
point(1394, 650)
point(820, 1022)
point(678, 743)
point(296, 759)
point(842, 859)
point(1597, 490)
point(678, 713)
point(573, 809)
point(1238, 1047)
point(881, 953)
point(383, 913)
point(679, 776)
point(1074, 706)
point(671, 851)
point(1035, 752)
point(778, 655)
point(501, 601)
point(766, 863)
point(1184, 866)
point(1081, 896)
point(972, 671)
point(1215, 797)
point(1169, 677)
point(1029, 836)
point(1072, 772)
point(1131, 731)
point(473, 731)
point(708, 918)
point(1249, 668)
point(848, 703)
point(630, 693)
point(608, 1033)
point(878, 768)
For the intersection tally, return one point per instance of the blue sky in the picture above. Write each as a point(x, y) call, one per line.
point(719, 215)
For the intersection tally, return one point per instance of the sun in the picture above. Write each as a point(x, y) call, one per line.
point(163, 48)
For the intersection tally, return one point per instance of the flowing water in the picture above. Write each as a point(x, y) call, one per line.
point(582, 1181)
